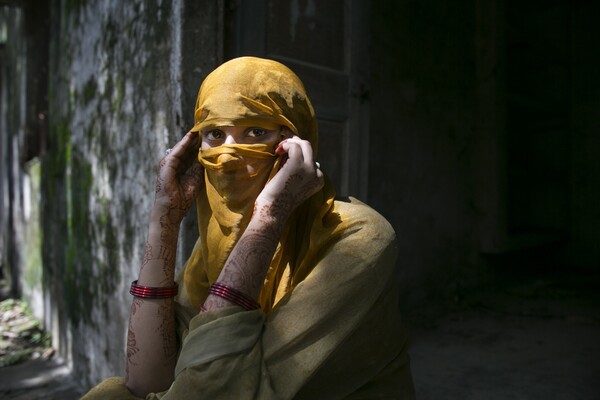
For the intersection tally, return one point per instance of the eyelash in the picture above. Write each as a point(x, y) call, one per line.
point(210, 135)
point(251, 130)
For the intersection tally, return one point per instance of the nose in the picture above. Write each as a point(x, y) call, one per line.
point(229, 139)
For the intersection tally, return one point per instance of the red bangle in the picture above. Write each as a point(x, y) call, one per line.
point(233, 295)
point(148, 292)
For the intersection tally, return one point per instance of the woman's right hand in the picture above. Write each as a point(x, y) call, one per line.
point(179, 178)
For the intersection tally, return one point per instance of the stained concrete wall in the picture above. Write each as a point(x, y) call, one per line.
point(116, 102)
point(11, 122)
point(20, 233)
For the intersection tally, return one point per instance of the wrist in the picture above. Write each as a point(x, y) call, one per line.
point(276, 212)
point(167, 214)
point(163, 231)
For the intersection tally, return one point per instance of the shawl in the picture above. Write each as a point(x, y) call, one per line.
point(253, 92)
point(329, 325)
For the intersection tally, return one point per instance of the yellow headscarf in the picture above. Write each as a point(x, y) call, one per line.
point(253, 92)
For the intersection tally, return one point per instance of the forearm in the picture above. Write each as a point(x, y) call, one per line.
point(151, 338)
point(247, 265)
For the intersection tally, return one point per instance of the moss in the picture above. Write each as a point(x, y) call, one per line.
point(89, 91)
point(110, 274)
point(118, 94)
point(74, 5)
point(54, 201)
point(108, 271)
point(80, 293)
point(110, 36)
point(88, 276)
point(130, 229)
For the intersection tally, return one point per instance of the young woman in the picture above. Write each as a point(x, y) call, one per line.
point(288, 293)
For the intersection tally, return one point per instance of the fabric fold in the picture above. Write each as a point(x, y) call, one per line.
point(253, 92)
point(226, 333)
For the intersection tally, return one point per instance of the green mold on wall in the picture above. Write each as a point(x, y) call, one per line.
point(88, 275)
point(89, 91)
point(118, 94)
point(79, 293)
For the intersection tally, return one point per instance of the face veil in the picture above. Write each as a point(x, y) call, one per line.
point(262, 93)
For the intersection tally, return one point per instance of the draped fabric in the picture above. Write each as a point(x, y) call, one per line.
point(337, 335)
point(252, 92)
point(329, 325)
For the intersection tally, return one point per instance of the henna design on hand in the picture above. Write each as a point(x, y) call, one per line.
point(169, 223)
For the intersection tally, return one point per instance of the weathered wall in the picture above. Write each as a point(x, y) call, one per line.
point(20, 235)
point(115, 106)
point(12, 82)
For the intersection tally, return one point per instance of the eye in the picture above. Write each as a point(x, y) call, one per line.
point(256, 132)
point(213, 135)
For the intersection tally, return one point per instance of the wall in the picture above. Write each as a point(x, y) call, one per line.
point(20, 234)
point(12, 76)
point(117, 100)
point(445, 148)
point(423, 137)
point(584, 248)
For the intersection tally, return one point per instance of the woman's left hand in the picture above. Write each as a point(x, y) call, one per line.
point(297, 180)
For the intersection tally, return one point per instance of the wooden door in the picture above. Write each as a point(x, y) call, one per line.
point(325, 43)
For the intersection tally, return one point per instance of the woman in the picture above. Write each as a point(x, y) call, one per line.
point(288, 293)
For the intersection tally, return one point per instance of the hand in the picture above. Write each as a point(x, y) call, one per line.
point(179, 178)
point(297, 180)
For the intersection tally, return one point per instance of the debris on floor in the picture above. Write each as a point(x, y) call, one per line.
point(21, 335)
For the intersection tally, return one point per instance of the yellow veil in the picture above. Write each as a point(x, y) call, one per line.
point(249, 91)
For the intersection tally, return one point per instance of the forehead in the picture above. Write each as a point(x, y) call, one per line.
point(266, 125)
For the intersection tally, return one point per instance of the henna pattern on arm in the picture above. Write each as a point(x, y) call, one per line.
point(132, 348)
point(167, 330)
point(247, 264)
point(147, 255)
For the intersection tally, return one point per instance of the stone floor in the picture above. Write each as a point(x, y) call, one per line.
point(527, 339)
point(29, 368)
point(38, 380)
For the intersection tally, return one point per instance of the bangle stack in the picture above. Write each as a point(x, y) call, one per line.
point(233, 295)
point(149, 292)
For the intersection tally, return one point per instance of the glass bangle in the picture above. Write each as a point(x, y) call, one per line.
point(149, 292)
point(233, 295)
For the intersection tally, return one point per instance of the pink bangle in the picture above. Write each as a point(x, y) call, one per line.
point(233, 295)
point(148, 292)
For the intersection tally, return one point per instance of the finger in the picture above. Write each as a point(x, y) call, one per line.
point(307, 153)
point(193, 180)
point(293, 150)
point(197, 171)
point(306, 150)
point(188, 142)
point(184, 153)
point(190, 156)
point(280, 150)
